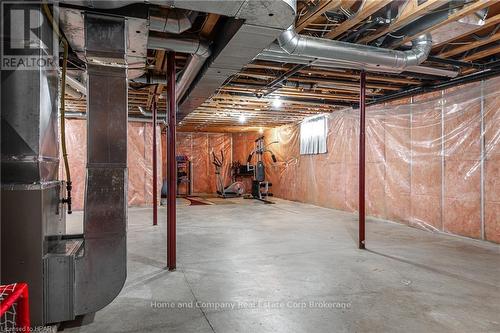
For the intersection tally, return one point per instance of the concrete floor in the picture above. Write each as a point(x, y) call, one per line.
point(265, 264)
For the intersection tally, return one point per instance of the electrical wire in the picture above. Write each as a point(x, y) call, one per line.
point(62, 108)
point(76, 65)
point(495, 30)
point(394, 36)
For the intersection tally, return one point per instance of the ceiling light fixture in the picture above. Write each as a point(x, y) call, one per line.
point(242, 118)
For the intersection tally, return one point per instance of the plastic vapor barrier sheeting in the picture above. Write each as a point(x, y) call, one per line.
point(76, 145)
point(432, 161)
point(198, 147)
point(139, 159)
point(140, 163)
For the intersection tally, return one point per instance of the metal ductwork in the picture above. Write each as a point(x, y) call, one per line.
point(199, 50)
point(176, 21)
point(100, 4)
point(362, 53)
point(357, 56)
point(193, 67)
point(75, 84)
point(149, 115)
point(75, 88)
point(130, 119)
point(32, 212)
point(250, 26)
point(74, 93)
point(184, 45)
point(277, 54)
point(102, 269)
point(72, 23)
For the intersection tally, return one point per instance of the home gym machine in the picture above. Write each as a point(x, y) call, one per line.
point(260, 187)
point(235, 189)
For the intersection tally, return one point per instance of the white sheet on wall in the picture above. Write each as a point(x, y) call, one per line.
point(313, 133)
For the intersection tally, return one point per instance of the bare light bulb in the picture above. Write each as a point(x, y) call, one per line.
point(277, 102)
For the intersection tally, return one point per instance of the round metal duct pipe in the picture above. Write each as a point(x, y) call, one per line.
point(365, 56)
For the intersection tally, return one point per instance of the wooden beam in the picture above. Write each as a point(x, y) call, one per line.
point(313, 79)
point(483, 53)
point(469, 9)
point(159, 59)
point(368, 8)
point(492, 21)
point(150, 97)
point(470, 46)
point(326, 97)
point(208, 25)
point(233, 129)
point(158, 92)
point(240, 99)
point(261, 110)
point(410, 13)
point(317, 11)
point(217, 114)
point(334, 73)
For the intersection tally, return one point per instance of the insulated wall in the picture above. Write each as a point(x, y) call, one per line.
point(140, 163)
point(427, 162)
point(139, 159)
point(198, 147)
point(76, 144)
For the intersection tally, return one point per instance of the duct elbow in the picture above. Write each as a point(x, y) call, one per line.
point(422, 46)
point(175, 22)
point(203, 50)
point(144, 112)
point(289, 41)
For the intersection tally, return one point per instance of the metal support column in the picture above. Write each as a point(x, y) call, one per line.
point(483, 152)
point(155, 181)
point(171, 164)
point(362, 91)
point(443, 160)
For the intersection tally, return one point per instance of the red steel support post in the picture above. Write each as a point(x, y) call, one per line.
point(362, 125)
point(155, 163)
point(172, 164)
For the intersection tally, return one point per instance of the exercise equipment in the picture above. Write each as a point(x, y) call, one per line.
point(235, 189)
point(183, 175)
point(260, 187)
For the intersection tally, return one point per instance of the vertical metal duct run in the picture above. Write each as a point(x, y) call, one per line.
point(30, 195)
point(101, 272)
